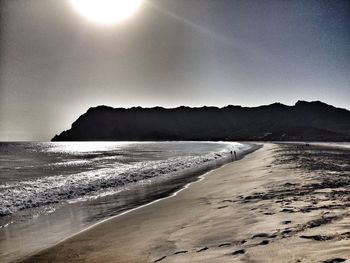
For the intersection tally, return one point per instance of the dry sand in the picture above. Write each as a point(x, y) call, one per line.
point(272, 206)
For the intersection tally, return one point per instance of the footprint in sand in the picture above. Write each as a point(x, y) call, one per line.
point(227, 200)
point(287, 210)
point(264, 242)
point(224, 244)
point(260, 235)
point(335, 260)
point(286, 231)
point(317, 237)
point(238, 252)
point(159, 259)
point(176, 253)
point(202, 249)
point(180, 252)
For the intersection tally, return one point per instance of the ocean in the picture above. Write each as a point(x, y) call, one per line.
point(52, 190)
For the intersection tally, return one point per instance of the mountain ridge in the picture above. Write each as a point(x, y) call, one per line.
point(309, 121)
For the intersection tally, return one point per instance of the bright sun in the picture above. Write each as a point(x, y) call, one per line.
point(106, 12)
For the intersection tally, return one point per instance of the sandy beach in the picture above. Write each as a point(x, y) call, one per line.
point(282, 203)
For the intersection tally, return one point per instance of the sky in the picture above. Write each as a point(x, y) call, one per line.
point(55, 63)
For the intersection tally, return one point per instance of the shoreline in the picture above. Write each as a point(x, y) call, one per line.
point(230, 220)
point(169, 187)
point(196, 179)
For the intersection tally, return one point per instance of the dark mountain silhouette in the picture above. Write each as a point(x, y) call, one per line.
point(306, 121)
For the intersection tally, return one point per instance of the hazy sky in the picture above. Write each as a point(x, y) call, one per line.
point(55, 64)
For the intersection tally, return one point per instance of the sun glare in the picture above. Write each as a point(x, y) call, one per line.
point(106, 12)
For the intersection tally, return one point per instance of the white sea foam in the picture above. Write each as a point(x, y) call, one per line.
point(69, 163)
point(37, 192)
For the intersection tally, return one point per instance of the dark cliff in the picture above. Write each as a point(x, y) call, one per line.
point(309, 121)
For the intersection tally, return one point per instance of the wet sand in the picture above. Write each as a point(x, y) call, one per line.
point(282, 203)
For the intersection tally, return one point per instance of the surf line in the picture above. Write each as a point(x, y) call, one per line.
point(200, 178)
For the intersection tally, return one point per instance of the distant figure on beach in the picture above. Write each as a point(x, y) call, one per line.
point(235, 156)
